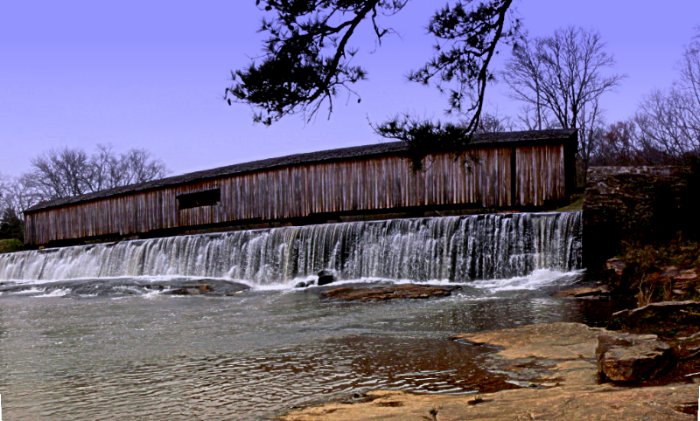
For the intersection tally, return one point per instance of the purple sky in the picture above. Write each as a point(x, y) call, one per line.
point(151, 74)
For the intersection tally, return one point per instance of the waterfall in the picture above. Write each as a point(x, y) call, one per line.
point(456, 248)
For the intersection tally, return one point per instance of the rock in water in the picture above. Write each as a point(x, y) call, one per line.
point(632, 358)
point(390, 292)
point(325, 277)
point(584, 292)
point(186, 291)
point(304, 284)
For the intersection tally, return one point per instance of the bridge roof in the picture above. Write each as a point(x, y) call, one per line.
point(342, 154)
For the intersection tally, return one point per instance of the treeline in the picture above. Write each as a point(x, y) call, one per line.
point(561, 80)
point(69, 172)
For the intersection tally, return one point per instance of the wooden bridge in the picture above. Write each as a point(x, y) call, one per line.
point(511, 170)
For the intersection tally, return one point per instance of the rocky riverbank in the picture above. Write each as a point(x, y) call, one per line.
point(558, 370)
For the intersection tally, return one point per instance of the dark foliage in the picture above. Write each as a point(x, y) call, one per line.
point(11, 226)
point(424, 137)
point(467, 41)
point(308, 58)
point(691, 201)
point(643, 277)
point(307, 55)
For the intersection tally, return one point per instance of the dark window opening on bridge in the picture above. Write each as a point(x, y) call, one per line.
point(197, 199)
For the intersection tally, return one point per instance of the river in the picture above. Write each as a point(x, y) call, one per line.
point(94, 332)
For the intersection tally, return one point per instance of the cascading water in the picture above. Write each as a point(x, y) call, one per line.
point(442, 248)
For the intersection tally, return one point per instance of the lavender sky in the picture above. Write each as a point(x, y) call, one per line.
point(152, 74)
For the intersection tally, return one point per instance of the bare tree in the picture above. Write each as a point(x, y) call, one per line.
point(561, 79)
point(618, 146)
point(134, 166)
point(669, 121)
point(16, 195)
point(492, 123)
point(533, 118)
point(61, 173)
point(72, 172)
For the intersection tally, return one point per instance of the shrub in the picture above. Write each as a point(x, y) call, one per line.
point(8, 246)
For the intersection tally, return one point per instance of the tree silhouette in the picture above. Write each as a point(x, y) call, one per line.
point(308, 58)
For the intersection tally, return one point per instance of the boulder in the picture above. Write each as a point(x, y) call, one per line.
point(632, 358)
point(687, 280)
point(618, 275)
point(616, 265)
point(326, 277)
point(186, 291)
point(665, 318)
point(212, 287)
point(688, 347)
point(305, 284)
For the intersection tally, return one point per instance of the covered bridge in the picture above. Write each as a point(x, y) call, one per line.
point(511, 170)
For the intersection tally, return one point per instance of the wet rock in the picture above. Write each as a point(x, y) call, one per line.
point(212, 287)
point(632, 358)
point(617, 274)
point(326, 277)
point(584, 292)
point(305, 284)
point(391, 292)
point(688, 347)
point(687, 280)
point(616, 265)
point(185, 291)
point(666, 319)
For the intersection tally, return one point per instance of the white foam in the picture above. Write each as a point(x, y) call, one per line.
point(32, 290)
point(151, 295)
point(61, 292)
point(539, 278)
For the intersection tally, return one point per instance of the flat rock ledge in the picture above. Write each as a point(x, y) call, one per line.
point(388, 292)
point(666, 319)
point(584, 292)
point(561, 368)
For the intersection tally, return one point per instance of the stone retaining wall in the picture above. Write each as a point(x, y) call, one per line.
point(630, 204)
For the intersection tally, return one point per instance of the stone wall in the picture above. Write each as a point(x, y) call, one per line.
point(630, 204)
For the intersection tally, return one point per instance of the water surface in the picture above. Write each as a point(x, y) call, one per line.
point(253, 355)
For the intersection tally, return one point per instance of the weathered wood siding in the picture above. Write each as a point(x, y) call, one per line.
point(482, 177)
point(541, 174)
